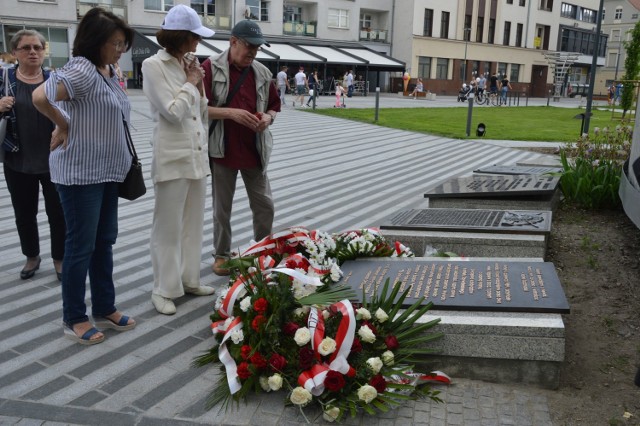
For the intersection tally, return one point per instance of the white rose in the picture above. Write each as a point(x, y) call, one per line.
point(375, 364)
point(388, 358)
point(363, 313)
point(367, 393)
point(381, 315)
point(264, 384)
point(366, 334)
point(237, 336)
point(275, 382)
point(302, 336)
point(327, 346)
point(331, 414)
point(301, 396)
point(252, 269)
point(299, 312)
point(245, 304)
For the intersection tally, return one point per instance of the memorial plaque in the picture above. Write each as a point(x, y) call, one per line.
point(464, 285)
point(507, 221)
point(496, 186)
point(517, 170)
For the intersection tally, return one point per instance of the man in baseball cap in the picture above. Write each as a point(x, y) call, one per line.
point(250, 32)
point(181, 17)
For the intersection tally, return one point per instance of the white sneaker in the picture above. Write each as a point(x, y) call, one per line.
point(203, 290)
point(163, 305)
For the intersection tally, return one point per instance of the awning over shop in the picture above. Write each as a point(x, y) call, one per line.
point(287, 52)
point(374, 59)
point(223, 45)
point(331, 55)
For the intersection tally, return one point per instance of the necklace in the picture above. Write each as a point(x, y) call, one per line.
point(32, 77)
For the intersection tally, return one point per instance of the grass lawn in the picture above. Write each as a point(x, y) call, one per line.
point(510, 123)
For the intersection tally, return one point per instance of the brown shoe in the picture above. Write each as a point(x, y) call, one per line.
point(218, 269)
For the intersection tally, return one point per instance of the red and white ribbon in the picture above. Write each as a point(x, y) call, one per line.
point(227, 360)
point(275, 242)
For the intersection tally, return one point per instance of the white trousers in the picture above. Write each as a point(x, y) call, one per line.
point(176, 235)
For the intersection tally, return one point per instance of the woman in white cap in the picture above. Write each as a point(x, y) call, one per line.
point(180, 165)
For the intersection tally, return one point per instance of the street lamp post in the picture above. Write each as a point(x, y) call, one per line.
point(464, 65)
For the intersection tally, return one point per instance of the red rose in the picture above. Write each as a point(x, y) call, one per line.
point(379, 383)
point(245, 351)
point(277, 362)
point(290, 328)
point(356, 346)
point(260, 305)
point(258, 360)
point(243, 371)
point(257, 322)
point(334, 381)
point(391, 342)
point(307, 358)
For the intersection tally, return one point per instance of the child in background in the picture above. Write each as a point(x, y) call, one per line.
point(339, 92)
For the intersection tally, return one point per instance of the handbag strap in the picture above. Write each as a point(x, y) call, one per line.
point(130, 145)
point(230, 96)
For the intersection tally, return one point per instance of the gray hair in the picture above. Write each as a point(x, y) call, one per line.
point(15, 40)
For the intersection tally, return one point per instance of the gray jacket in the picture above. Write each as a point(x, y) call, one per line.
point(219, 91)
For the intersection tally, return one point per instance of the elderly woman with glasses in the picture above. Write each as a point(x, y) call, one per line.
point(26, 165)
point(173, 84)
point(89, 158)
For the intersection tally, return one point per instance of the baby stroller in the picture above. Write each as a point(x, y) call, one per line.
point(463, 94)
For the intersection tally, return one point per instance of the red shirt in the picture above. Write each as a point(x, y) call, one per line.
point(240, 151)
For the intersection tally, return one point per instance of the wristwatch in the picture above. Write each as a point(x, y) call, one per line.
point(273, 117)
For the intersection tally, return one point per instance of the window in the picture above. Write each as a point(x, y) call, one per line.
point(479, 29)
point(466, 35)
point(444, 25)
point(163, 5)
point(338, 18)
point(264, 11)
point(492, 31)
point(292, 14)
point(546, 5)
point(507, 33)
point(603, 11)
point(618, 14)
point(519, 28)
point(424, 67)
point(515, 73)
point(613, 58)
point(615, 35)
point(252, 9)
point(569, 11)
point(522, 2)
point(365, 21)
point(509, 1)
point(502, 69)
point(442, 69)
point(199, 7)
point(428, 23)
point(588, 15)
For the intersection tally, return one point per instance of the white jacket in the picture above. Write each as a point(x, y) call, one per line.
point(180, 139)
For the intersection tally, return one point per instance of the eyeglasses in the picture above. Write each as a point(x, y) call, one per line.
point(29, 47)
point(119, 45)
point(249, 45)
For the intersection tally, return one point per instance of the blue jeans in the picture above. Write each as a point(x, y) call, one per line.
point(91, 215)
point(503, 95)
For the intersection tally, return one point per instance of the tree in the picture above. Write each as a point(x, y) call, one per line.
point(631, 66)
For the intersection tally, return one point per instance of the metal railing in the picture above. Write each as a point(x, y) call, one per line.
point(299, 28)
point(216, 21)
point(374, 35)
point(117, 7)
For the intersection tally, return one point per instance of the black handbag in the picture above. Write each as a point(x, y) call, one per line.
point(133, 185)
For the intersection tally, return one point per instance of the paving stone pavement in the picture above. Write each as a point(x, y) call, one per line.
point(327, 174)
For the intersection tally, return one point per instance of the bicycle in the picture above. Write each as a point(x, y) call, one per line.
point(481, 97)
point(495, 99)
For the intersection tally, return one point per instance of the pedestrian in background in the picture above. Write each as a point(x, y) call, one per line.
point(302, 85)
point(313, 86)
point(282, 79)
point(27, 168)
point(180, 164)
point(89, 158)
point(241, 140)
point(350, 84)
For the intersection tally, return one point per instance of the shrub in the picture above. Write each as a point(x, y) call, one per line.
point(592, 167)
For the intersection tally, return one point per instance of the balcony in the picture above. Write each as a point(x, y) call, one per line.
point(307, 29)
point(373, 35)
point(117, 7)
point(216, 22)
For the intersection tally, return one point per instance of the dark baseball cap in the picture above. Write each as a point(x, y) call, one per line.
point(250, 32)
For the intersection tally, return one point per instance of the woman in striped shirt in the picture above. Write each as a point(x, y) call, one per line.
point(89, 158)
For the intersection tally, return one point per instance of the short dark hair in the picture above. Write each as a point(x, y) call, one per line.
point(94, 30)
point(173, 40)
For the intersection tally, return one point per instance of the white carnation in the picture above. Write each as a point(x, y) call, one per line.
point(237, 336)
point(245, 304)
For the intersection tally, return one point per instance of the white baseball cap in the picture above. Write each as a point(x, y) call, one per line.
point(181, 17)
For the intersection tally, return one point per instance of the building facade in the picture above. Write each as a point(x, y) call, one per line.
point(445, 43)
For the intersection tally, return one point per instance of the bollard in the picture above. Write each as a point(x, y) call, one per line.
point(377, 103)
point(315, 95)
point(469, 114)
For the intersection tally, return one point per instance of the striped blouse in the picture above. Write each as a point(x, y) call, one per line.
point(97, 150)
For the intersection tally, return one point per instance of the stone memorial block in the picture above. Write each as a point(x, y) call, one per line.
point(461, 220)
point(475, 285)
point(517, 170)
point(496, 186)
